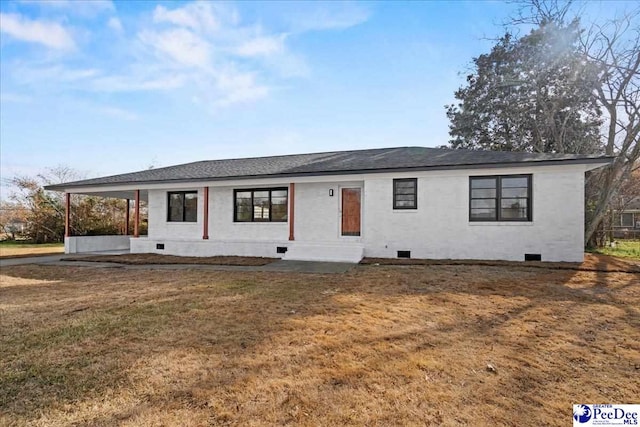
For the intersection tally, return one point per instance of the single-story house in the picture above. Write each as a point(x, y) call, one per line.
point(626, 223)
point(340, 206)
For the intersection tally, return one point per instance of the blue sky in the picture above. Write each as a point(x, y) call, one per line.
point(109, 87)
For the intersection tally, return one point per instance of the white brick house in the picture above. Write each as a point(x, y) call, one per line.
point(340, 206)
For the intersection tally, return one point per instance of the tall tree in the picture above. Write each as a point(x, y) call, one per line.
point(615, 47)
point(530, 94)
point(560, 88)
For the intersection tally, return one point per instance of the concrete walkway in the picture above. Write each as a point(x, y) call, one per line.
point(276, 266)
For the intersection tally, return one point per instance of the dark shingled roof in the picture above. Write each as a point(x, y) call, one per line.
point(333, 163)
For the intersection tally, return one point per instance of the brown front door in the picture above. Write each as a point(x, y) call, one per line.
point(350, 211)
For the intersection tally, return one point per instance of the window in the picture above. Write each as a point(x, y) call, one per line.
point(500, 198)
point(260, 205)
point(626, 219)
point(405, 193)
point(182, 206)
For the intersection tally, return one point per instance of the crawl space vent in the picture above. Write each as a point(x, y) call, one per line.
point(281, 249)
point(404, 254)
point(159, 245)
point(532, 257)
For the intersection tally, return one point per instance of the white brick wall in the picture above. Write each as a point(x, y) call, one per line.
point(439, 228)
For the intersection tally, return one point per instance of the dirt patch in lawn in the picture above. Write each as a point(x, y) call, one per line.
point(141, 259)
point(380, 345)
point(592, 262)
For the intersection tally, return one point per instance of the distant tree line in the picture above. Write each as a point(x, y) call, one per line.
point(563, 87)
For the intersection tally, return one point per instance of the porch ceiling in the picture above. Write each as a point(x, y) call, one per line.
point(144, 194)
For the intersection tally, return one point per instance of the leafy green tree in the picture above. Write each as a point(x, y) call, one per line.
point(534, 94)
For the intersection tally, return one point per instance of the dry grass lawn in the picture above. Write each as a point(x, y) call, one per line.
point(381, 345)
point(16, 250)
point(150, 259)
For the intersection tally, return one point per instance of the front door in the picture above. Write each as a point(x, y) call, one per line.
point(351, 211)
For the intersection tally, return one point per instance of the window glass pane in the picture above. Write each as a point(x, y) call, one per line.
point(483, 203)
point(243, 195)
point(279, 212)
point(261, 195)
point(243, 213)
point(175, 207)
point(513, 203)
point(483, 193)
point(521, 181)
point(405, 197)
point(513, 209)
point(405, 203)
point(405, 190)
point(191, 207)
point(514, 213)
point(483, 183)
point(405, 185)
point(483, 213)
point(515, 192)
point(261, 206)
point(261, 213)
point(626, 219)
point(279, 193)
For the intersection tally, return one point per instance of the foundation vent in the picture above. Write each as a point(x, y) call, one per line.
point(281, 249)
point(404, 254)
point(532, 257)
point(160, 246)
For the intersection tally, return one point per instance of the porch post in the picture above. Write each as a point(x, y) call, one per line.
point(126, 218)
point(205, 222)
point(67, 215)
point(136, 215)
point(292, 198)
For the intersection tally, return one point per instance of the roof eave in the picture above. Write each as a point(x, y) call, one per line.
point(602, 161)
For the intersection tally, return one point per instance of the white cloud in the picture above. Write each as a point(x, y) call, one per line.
point(329, 16)
point(262, 46)
point(235, 87)
point(179, 45)
point(198, 16)
point(115, 24)
point(34, 75)
point(50, 34)
point(135, 83)
point(201, 49)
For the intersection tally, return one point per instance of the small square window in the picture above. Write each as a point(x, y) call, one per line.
point(182, 206)
point(405, 193)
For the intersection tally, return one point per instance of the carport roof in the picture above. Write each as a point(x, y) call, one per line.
point(333, 163)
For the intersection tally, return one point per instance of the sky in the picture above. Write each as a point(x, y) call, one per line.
point(112, 87)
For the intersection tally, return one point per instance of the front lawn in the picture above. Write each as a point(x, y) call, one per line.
point(381, 345)
point(10, 249)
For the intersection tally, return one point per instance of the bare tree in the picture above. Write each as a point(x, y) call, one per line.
point(615, 47)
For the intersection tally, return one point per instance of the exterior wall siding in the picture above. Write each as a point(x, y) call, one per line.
point(438, 229)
